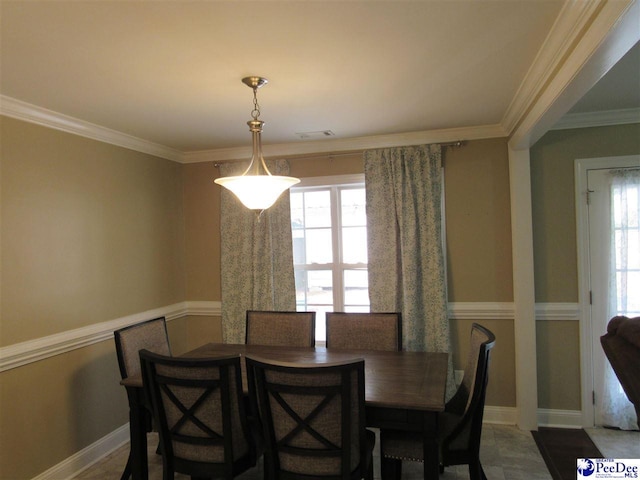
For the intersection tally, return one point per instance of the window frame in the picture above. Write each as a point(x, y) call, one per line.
point(333, 182)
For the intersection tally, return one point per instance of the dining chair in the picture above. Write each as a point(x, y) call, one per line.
point(459, 426)
point(151, 335)
point(286, 329)
point(364, 331)
point(198, 406)
point(313, 419)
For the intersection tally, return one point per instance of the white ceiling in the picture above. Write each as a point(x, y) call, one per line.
point(168, 72)
point(618, 89)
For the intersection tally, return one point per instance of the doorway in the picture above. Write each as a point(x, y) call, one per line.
point(600, 389)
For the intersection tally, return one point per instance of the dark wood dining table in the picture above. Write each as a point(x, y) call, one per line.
point(403, 391)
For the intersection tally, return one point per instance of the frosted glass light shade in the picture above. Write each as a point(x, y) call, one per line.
point(257, 192)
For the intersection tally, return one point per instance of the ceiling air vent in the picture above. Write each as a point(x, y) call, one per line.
point(315, 135)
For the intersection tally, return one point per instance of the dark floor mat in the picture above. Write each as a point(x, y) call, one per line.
point(560, 448)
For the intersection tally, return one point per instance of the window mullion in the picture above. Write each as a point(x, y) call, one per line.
point(336, 224)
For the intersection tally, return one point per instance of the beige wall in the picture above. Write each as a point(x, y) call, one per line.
point(93, 232)
point(555, 249)
point(558, 364)
point(553, 199)
point(478, 217)
point(90, 232)
point(202, 231)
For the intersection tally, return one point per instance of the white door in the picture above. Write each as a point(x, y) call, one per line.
point(609, 403)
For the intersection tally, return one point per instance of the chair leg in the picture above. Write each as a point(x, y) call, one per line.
point(390, 468)
point(483, 476)
point(138, 447)
point(126, 474)
point(167, 474)
point(476, 472)
point(369, 475)
point(269, 473)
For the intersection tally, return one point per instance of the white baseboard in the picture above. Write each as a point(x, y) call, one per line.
point(559, 418)
point(546, 417)
point(86, 457)
point(500, 415)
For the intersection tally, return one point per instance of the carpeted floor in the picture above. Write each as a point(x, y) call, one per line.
point(560, 448)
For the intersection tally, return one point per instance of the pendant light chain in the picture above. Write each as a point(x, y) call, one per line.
point(255, 113)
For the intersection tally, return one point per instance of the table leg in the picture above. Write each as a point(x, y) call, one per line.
point(430, 447)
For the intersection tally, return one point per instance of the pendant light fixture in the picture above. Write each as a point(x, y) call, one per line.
point(256, 188)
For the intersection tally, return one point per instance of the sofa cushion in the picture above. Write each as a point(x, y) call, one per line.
point(626, 328)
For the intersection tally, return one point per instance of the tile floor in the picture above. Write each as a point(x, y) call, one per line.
point(507, 454)
point(616, 443)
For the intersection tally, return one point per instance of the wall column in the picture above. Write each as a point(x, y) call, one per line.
point(523, 290)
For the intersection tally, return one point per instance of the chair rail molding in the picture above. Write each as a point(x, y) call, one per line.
point(557, 311)
point(19, 354)
point(505, 311)
point(23, 353)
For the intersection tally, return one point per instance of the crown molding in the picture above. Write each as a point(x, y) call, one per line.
point(559, 42)
point(27, 112)
point(343, 145)
point(604, 32)
point(20, 110)
point(598, 119)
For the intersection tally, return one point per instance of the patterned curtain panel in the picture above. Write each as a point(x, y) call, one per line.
point(257, 256)
point(406, 258)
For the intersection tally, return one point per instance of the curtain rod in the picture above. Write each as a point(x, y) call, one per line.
point(457, 143)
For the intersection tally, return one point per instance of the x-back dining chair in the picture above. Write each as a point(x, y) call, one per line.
point(286, 329)
point(460, 425)
point(200, 412)
point(365, 331)
point(313, 419)
point(151, 335)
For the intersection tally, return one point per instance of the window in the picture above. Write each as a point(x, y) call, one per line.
point(329, 226)
point(625, 243)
